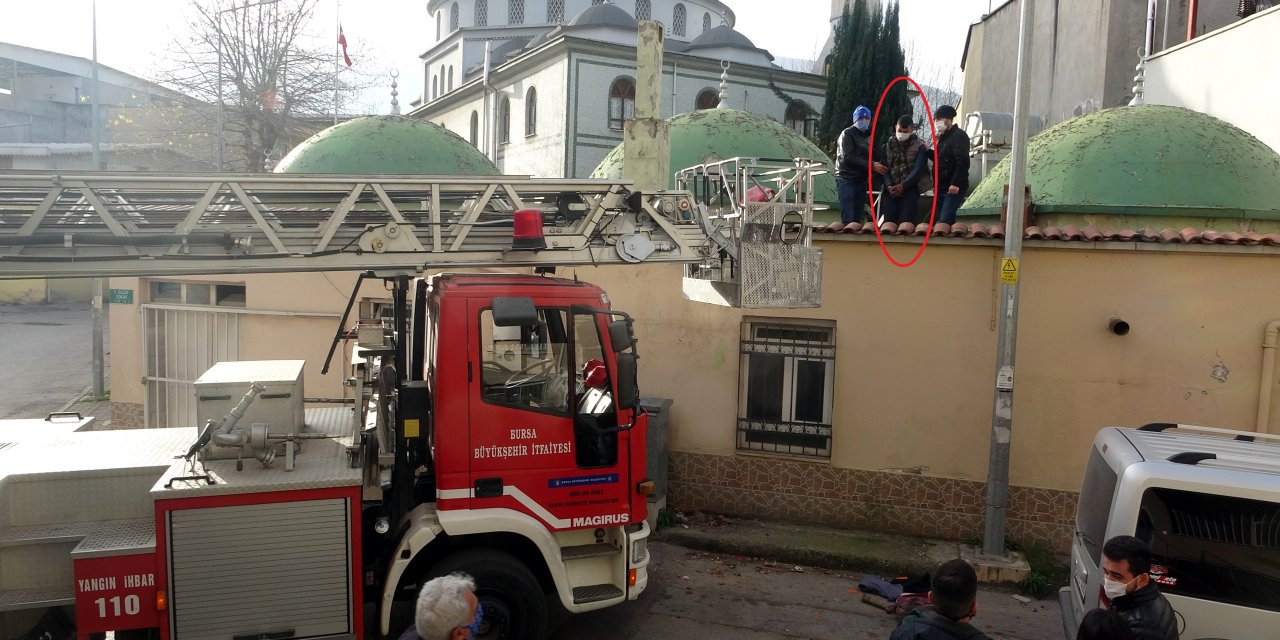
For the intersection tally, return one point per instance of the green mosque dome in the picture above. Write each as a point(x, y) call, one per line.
point(717, 134)
point(387, 145)
point(1148, 160)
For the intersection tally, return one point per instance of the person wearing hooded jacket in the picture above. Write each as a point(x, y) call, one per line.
point(851, 166)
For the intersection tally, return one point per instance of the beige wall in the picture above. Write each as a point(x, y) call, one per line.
point(262, 337)
point(915, 363)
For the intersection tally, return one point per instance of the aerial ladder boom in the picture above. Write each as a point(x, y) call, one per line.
point(742, 225)
point(111, 224)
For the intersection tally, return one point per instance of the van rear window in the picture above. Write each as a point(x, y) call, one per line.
point(1095, 503)
point(1214, 547)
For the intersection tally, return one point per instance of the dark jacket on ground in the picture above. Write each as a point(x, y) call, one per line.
point(1148, 613)
point(851, 155)
point(953, 160)
point(931, 626)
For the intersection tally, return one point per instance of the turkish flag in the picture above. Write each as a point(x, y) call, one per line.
point(342, 40)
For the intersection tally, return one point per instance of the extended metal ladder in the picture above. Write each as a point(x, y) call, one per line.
point(112, 224)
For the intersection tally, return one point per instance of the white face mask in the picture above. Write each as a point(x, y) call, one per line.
point(942, 125)
point(902, 137)
point(1114, 589)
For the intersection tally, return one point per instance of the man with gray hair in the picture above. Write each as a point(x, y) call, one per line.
point(447, 610)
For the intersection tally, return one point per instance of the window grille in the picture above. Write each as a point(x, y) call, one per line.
point(786, 388)
point(555, 11)
point(643, 9)
point(482, 13)
point(707, 99)
point(453, 17)
point(678, 20)
point(706, 22)
point(622, 102)
point(515, 12)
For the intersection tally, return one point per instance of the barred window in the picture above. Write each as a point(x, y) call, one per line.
point(622, 102)
point(475, 129)
point(596, 2)
point(515, 12)
point(504, 120)
point(678, 20)
point(706, 22)
point(531, 112)
point(643, 10)
point(555, 11)
point(453, 17)
point(482, 13)
point(786, 388)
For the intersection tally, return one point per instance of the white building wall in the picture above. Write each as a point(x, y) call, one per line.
point(436, 70)
point(593, 75)
point(1193, 75)
point(541, 154)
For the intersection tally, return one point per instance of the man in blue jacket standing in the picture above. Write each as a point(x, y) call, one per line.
point(852, 150)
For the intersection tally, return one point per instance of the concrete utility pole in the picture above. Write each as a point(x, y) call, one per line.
point(1002, 417)
point(646, 139)
point(99, 360)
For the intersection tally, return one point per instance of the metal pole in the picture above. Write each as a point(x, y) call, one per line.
point(99, 365)
point(337, 69)
point(218, 132)
point(1164, 17)
point(1002, 416)
point(95, 135)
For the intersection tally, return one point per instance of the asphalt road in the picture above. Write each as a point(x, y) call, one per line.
point(45, 350)
point(694, 594)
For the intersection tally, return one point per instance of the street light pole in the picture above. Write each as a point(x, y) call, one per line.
point(1002, 415)
point(99, 359)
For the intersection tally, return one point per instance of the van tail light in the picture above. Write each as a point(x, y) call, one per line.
point(631, 577)
point(528, 230)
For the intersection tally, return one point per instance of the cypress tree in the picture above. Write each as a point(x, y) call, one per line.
point(865, 57)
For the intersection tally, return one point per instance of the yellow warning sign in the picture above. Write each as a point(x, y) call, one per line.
point(1009, 271)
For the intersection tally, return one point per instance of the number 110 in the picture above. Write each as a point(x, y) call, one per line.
point(132, 605)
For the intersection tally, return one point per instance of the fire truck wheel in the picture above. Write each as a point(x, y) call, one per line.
point(515, 608)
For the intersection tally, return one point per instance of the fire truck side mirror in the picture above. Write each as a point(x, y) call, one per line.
point(628, 391)
point(620, 335)
point(514, 311)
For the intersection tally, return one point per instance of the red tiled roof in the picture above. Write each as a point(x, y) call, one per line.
point(1067, 233)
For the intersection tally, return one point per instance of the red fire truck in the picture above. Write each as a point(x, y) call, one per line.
point(494, 428)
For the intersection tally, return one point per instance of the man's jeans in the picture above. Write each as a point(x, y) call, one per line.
point(852, 200)
point(900, 209)
point(948, 206)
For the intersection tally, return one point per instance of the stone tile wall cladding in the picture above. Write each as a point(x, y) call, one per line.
point(920, 505)
point(126, 415)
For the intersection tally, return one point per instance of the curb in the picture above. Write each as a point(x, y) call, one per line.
point(72, 402)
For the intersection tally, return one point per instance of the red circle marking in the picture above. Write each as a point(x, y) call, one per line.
point(928, 112)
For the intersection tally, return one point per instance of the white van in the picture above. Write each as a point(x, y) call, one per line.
point(1208, 502)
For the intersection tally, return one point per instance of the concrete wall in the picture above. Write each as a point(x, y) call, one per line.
point(914, 371)
point(1204, 75)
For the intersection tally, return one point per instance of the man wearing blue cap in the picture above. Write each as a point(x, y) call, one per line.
point(851, 166)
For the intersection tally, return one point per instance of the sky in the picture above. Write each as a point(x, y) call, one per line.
point(136, 36)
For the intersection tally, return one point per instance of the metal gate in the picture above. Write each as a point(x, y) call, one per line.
point(180, 344)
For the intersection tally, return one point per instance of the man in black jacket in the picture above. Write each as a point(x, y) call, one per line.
point(1126, 561)
point(953, 164)
point(954, 594)
point(851, 166)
